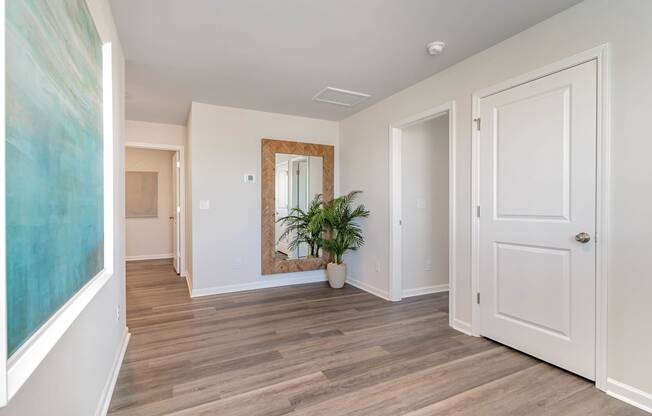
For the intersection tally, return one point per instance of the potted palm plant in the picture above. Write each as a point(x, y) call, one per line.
point(305, 226)
point(343, 233)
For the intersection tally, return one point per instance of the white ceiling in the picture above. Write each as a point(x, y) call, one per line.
point(275, 55)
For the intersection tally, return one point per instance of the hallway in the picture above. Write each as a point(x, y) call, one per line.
point(311, 350)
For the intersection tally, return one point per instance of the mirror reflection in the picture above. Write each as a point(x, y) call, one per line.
point(299, 180)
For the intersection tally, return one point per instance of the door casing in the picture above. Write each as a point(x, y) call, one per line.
point(176, 210)
point(395, 231)
point(284, 210)
point(182, 196)
point(603, 173)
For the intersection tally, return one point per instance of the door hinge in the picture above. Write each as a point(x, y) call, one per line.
point(478, 123)
point(478, 298)
point(477, 211)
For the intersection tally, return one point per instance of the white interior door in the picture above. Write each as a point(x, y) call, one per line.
point(537, 153)
point(176, 210)
point(282, 203)
point(302, 198)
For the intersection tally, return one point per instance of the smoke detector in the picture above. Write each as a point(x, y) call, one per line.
point(435, 48)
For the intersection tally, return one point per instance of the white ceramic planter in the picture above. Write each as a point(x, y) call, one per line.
point(336, 274)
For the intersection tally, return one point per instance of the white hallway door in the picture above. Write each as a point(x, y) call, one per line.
point(282, 203)
point(537, 154)
point(176, 210)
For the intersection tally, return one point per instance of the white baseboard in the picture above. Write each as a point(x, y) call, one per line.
point(463, 327)
point(426, 290)
point(259, 284)
point(150, 257)
point(368, 288)
point(629, 394)
point(107, 392)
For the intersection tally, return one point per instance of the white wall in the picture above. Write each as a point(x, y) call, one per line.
point(424, 213)
point(626, 25)
point(151, 237)
point(157, 133)
point(71, 379)
point(226, 241)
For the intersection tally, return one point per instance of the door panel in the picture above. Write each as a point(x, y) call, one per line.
point(527, 278)
point(282, 203)
point(176, 204)
point(543, 192)
point(302, 199)
point(537, 155)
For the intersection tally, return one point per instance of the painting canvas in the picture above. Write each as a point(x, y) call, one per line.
point(141, 194)
point(54, 160)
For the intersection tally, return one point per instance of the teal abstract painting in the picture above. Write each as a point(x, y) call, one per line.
point(54, 161)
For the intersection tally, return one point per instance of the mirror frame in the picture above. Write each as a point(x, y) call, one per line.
point(269, 148)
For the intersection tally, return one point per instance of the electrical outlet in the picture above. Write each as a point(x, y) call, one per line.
point(117, 312)
point(428, 265)
point(377, 267)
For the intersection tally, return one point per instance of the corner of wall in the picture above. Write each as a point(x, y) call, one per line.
point(188, 196)
point(383, 294)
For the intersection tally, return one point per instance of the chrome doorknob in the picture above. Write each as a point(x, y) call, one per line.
point(583, 238)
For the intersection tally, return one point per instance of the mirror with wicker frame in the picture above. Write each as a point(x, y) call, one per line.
point(295, 177)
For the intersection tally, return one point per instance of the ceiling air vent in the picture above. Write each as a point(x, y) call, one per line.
point(340, 97)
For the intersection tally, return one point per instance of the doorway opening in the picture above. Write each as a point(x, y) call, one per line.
point(155, 204)
point(422, 204)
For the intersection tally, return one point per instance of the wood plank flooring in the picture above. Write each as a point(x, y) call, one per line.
point(311, 350)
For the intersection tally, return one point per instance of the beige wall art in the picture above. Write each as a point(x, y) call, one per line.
point(141, 194)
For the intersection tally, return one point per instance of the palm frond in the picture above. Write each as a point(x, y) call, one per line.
point(304, 226)
point(340, 220)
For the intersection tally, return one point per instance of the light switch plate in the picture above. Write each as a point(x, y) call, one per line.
point(249, 178)
point(204, 204)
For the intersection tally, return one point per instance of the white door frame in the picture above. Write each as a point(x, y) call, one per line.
point(182, 193)
point(601, 55)
point(176, 244)
point(395, 175)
